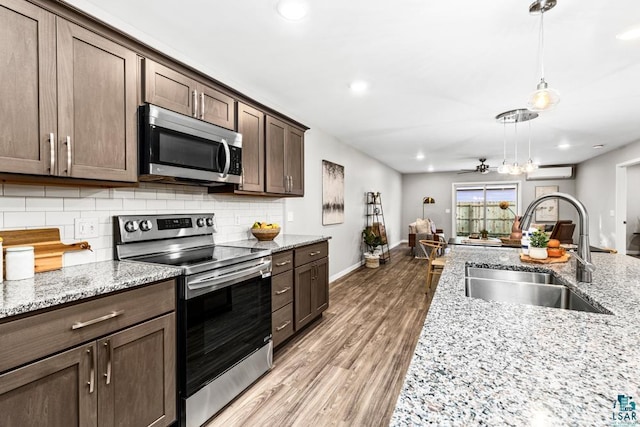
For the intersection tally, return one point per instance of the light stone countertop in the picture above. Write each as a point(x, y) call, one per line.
point(282, 242)
point(74, 283)
point(491, 363)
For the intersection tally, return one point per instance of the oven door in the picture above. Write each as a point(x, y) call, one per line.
point(227, 317)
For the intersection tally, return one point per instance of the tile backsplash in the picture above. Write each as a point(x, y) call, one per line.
point(43, 206)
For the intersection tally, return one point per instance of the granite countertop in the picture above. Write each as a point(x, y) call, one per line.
point(69, 284)
point(491, 363)
point(283, 242)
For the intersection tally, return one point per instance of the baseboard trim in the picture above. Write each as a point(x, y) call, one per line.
point(346, 271)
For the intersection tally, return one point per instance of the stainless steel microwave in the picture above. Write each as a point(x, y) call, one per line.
point(180, 149)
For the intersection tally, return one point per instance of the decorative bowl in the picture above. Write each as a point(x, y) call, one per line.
point(265, 234)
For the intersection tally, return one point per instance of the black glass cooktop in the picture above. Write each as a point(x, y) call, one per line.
point(207, 257)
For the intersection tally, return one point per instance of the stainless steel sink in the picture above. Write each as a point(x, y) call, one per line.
point(523, 287)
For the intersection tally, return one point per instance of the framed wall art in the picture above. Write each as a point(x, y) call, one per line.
point(332, 193)
point(548, 210)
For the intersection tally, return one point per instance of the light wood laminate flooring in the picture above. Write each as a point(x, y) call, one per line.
point(346, 369)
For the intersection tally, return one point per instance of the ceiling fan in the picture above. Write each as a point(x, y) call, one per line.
point(482, 167)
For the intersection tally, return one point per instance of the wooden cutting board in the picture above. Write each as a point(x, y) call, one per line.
point(550, 260)
point(47, 247)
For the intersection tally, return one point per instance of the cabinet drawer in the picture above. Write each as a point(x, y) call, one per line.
point(30, 338)
point(281, 261)
point(310, 253)
point(281, 289)
point(282, 324)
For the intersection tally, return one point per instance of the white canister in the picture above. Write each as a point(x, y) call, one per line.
point(19, 262)
point(524, 242)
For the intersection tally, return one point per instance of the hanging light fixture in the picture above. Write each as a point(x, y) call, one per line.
point(504, 167)
point(530, 166)
point(515, 116)
point(543, 98)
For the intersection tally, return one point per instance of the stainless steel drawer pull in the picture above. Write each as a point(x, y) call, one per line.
point(284, 325)
point(202, 105)
point(314, 253)
point(111, 315)
point(92, 372)
point(195, 104)
point(280, 264)
point(287, 289)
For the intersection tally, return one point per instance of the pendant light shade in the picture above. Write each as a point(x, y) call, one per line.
point(543, 98)
point(516, 116)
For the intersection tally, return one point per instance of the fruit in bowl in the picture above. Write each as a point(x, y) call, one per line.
point(264, 230)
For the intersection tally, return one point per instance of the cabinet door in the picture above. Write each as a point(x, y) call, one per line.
point(275, 146)
point(294, 160)
point(216, 107)
point(58, 391)
point(96, 106)
point(27, 87)
point(304, 308)
point(169, 89)
point(251, 126)
point(321, 286)
point(137, 369)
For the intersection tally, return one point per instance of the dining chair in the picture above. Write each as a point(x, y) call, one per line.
point(431, 249)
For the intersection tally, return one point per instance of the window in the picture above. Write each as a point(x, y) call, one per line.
point(478, 208)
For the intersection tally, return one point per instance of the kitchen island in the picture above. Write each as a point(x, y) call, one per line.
point(492, 363)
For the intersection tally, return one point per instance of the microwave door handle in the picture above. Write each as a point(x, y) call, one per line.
point(227, 159)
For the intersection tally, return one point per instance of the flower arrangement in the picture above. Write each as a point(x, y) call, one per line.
point(539, 239)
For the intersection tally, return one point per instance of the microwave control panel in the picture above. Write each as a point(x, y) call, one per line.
point(235, 167)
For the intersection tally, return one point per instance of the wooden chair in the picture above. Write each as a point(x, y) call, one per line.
point(434, 265)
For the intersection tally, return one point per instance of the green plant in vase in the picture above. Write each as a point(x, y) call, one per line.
point(538, 245)
point(371, 239)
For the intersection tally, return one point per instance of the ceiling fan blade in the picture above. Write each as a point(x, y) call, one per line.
point(467, 171)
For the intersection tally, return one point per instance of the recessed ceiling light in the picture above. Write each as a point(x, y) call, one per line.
point(564, 146)
point(598, 146)
point(293, 10)
point(631, 34)
point(359, 86)
point(419, 156)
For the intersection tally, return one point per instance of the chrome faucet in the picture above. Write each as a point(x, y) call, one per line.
point(584, 266)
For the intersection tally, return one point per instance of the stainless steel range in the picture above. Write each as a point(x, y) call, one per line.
point(224, 306)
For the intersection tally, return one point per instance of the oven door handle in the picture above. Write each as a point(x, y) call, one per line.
point(229, 279)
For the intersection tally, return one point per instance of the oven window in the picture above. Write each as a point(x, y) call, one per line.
point(223, 327)
point(193, 152)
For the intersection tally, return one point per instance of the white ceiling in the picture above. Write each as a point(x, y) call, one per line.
point(439, 72)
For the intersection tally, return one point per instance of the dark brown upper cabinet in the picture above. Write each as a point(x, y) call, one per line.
point(284, 158)
point(68, 98)
point(251, 126)
point(174, 91)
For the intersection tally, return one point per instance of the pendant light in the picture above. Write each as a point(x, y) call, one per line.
point(530, 166)
point(515, 116)
point(504, 167)
point(543, 98)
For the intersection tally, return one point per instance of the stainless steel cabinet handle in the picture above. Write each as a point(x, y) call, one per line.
point(111, 315)
point(202, 105)
point(92, 372)
point(242, 179)
point(52, 145)
point(314, 253)
point(195, 103)
point(68, 144)
point(280, 264)
point(291, 183)
point(107, 375)
point(287, 289)
point(284, 325)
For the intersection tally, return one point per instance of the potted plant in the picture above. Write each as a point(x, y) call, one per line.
point(372, 240)
point(538, 245)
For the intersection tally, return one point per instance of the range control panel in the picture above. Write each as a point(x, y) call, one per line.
point(132, 228)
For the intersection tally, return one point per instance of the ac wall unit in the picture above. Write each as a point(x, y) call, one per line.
point(551, 172)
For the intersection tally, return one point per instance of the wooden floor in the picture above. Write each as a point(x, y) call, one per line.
point(348, 368)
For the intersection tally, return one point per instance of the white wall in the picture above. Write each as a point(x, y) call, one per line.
point(40, 206)
point(595, 187)
point(362, 174)
point(439, 186)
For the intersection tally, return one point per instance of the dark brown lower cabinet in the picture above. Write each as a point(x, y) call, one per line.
point(311, 291)
point(128, 376)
